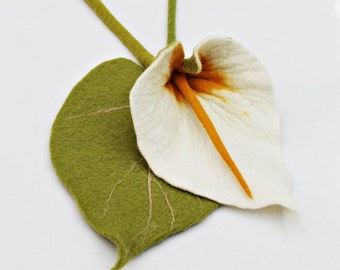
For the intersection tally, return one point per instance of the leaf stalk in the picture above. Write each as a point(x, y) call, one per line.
point(144, 57)
point(171, 21)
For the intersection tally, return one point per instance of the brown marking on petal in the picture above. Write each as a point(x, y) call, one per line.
point(172, 88)
point(185, 86)
point(207, 64)
point(208, 80)
point(204, 85)
point(213, 75)
point(177, 58)
point(190, 95)
point(175, 63)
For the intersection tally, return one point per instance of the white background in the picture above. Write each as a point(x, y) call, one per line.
point(46, 47)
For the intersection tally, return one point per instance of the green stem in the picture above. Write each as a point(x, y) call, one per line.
point(171, 21)
point(135, 47)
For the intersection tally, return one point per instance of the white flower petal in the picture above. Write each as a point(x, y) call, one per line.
point(178, 148)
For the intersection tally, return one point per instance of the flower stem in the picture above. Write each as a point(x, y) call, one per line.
point(135, 47)
point(171, 21)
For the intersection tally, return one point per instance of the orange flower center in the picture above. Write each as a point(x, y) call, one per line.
point(186, 86)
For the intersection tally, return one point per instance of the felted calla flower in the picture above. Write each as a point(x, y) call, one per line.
point(209, 125)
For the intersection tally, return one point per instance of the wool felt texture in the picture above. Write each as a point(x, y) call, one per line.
point(135, 47)
point(217, 127)
point(93, 149)
point(171, 21)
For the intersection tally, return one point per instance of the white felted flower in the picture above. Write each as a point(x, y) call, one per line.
point(209, 125)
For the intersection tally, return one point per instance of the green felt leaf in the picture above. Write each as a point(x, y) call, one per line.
point(94, 152)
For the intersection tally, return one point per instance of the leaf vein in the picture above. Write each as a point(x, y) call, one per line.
point(172, 213)
point(107, 204)
point(145, 230)
point(99, 112)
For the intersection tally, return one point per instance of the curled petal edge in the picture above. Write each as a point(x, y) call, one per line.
point(238, 98)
